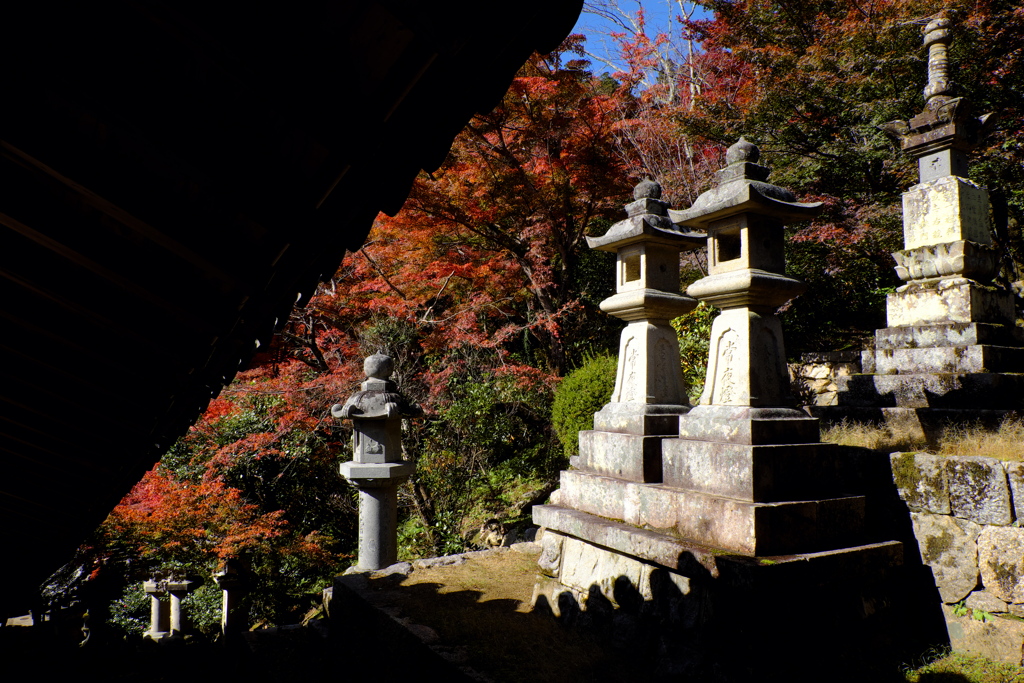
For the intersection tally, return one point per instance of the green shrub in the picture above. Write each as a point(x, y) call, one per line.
point(694, 330)
point(583, 392)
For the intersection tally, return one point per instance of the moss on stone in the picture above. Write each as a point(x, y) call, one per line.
point(935, 546)
point(906, 475)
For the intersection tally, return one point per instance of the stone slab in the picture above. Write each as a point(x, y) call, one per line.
point(950, 300)
point(734, 525)
point(625, 456)
point(383, 471)
point(949, 359)
point(973, 391)
point(641, 419)
point(1001, 562)
point(949, 546)
point(1001, 640)
point(948, 334)
point(946, 209)
point(986, 602)
point(695, 560)
point(755, 426)
point(751, 473)
point(920, 479)
point(978, 490)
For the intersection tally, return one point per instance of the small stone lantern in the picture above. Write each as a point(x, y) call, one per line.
point(233, 578)
point(156, 588)
point(377, 467)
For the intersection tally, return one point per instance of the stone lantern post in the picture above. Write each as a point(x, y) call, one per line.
point(377, 467)
point(178, 588)
point(649, 392)
point(156, 588)
point(233, 579)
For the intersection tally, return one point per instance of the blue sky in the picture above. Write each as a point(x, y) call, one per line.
point(658, 15)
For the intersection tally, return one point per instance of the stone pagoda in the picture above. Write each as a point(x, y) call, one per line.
point(697, 536)
point(951, 343)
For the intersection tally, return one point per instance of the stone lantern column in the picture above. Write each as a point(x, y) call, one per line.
point(233, 580)
point(156, 588)
point(377, 467)
point(178, 588)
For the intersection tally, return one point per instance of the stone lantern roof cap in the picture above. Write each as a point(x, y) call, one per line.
point(740, 188)
point(647, 222)
point(379, 398)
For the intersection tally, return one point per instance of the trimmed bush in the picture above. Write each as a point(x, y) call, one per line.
point(582, 393)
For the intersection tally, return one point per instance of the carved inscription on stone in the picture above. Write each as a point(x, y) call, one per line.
point(945, 210)
point(725, 384)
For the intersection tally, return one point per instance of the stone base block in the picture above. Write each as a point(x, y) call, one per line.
point(998, 639)
point(746, 425)
point(687, 608)
point(642, 419)
point(625, 456)
point(949, 359)
point(734, 525)
point(988, 390)
point(751, 473)
point(962, 258)
point(956, 300)
point(948, 334)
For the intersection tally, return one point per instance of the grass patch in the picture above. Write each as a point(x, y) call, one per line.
point(1004, 443)
point(964, 668)
point(887, 437)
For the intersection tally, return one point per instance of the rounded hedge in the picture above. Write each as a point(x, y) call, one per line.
point(582, 393)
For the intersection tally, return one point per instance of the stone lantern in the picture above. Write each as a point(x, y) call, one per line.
point(377, 467)
point(156, 589)
point(744, 218)
point(649, 392)
point(233, 578)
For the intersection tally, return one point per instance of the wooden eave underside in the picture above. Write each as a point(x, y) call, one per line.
point(174, 177)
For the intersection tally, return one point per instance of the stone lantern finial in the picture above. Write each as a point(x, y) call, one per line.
point(937, 37)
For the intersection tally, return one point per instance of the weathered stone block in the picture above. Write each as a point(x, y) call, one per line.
point(960, 258)
point(986, 602)
point(742, 424)
point(949, 359)
point(950, 547)
point(625, 456)
point(921, 481)
point(748, 528)
point(948, 334)
point(978, 390)
point(1001, 560)
point(1015, 477)
point(598, 495)
point(1001, 640)
point(550, 560)
point(751, 473)
point(947, 209)
point(978, 490)
point(950, 300)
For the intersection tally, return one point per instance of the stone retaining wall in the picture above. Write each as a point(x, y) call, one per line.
point(814, 378)
point(966, 513)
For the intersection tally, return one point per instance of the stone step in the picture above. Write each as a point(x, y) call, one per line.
point(752, 473)
point(981, 390)
point(949, 359)
point(626, 456)
point(734, 525)
point(948, 334)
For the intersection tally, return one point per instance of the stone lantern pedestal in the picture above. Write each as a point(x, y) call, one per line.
point(377, 468)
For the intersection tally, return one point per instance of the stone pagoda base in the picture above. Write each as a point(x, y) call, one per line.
point(715, 614)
